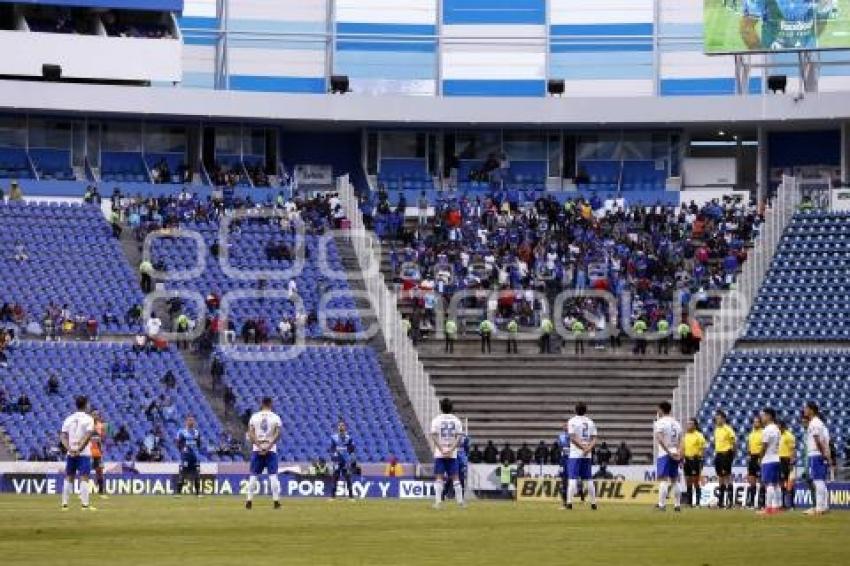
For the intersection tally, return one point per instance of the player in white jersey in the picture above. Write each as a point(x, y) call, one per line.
point(669, 449)
point(76, 433)
point(770, 472)
point(264, 432)
point(446, 435)
point(820, 457)
point(582, 438)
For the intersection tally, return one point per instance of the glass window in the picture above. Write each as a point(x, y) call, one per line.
point(598, 146)
point(636, 146)
point(228, 140)
point(554, 147)
point(254, 142)
point(50, 134)
point(165, 138)
point(13, 131)
point(525, 146)
point(403, 145)
point(478, 144)
point(122, 137)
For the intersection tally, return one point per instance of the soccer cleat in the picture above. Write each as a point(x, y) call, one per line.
point(593, 507)
point(660, 508)
point(64, 507)
point(88, 508)
point(277, 504)
point(677, 509)
point(568, 506)
point(436, 506)
point(249, 505)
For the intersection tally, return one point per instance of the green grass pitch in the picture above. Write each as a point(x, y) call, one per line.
point(219, 531)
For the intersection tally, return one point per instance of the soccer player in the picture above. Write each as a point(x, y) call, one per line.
point(97, 446)
point(76, 435)
point(695, 445)
point(785, 24)
point(342, 451)
point(724, 455)
point(668, 440)
point(264, 432)
point(817, 447)
point(446, 434)
point(787, 452)
point(463, 450)
point(770, 477)
point(754, 450)
point(582, 439)
point(189, 444)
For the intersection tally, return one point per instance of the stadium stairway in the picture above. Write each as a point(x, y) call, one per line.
point(526, 397)
point(387, 361)
point(199, 367)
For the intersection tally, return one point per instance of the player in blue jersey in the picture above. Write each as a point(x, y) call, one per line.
point(463, 451)
point(264, 431)
point(189, 444)
point(76, 434)
point(342, 454)
point(785, 24)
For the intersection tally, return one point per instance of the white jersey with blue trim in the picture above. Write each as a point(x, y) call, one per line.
point(816, 428)
point(448, 430)
point(77, 426)
point(770, 436)
point(264, 423)
point(584, 429)
point(670, 432)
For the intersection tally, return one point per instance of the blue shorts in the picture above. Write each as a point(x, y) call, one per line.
point(445, 467)
point(78, 465)
point(818, 470)
point(263, 462)
point(579, 469)
point(666, 467)
point(770, 473)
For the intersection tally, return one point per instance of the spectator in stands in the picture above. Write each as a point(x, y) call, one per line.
point(21, 254)
point(491, 453)
point(24, 405)
point(146, 270)
point(152, 326)
point(603, 473)
point(524, 454)
point(121, 435)
point(541, 453)
point(476, 456)
point(623, 456)
point(507, 455)
point(133, 315)
point(15, 193)
point(168, 380)
point(216, 372)
point(555, 453)
point(603, 454)
point(52, 386)
point(229, 400)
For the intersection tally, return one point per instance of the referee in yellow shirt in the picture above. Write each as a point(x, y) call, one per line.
point(754, 447)
point(695, 445)
point(724, 456)
point(787, 452)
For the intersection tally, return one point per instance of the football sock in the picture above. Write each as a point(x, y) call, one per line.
point(252, 485)
point(274, 481)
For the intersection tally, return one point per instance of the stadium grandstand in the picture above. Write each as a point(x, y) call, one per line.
point(589, 253)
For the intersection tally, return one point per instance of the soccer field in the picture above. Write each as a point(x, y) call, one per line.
point(188, 532)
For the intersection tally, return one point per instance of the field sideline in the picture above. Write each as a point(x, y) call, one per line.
point(212, 531)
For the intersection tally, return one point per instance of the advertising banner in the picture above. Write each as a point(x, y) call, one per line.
point(225, 484)
point(548, 490)
point(314, 175)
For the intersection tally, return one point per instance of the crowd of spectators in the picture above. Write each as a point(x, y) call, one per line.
point(545, 454)
point(649, 258)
